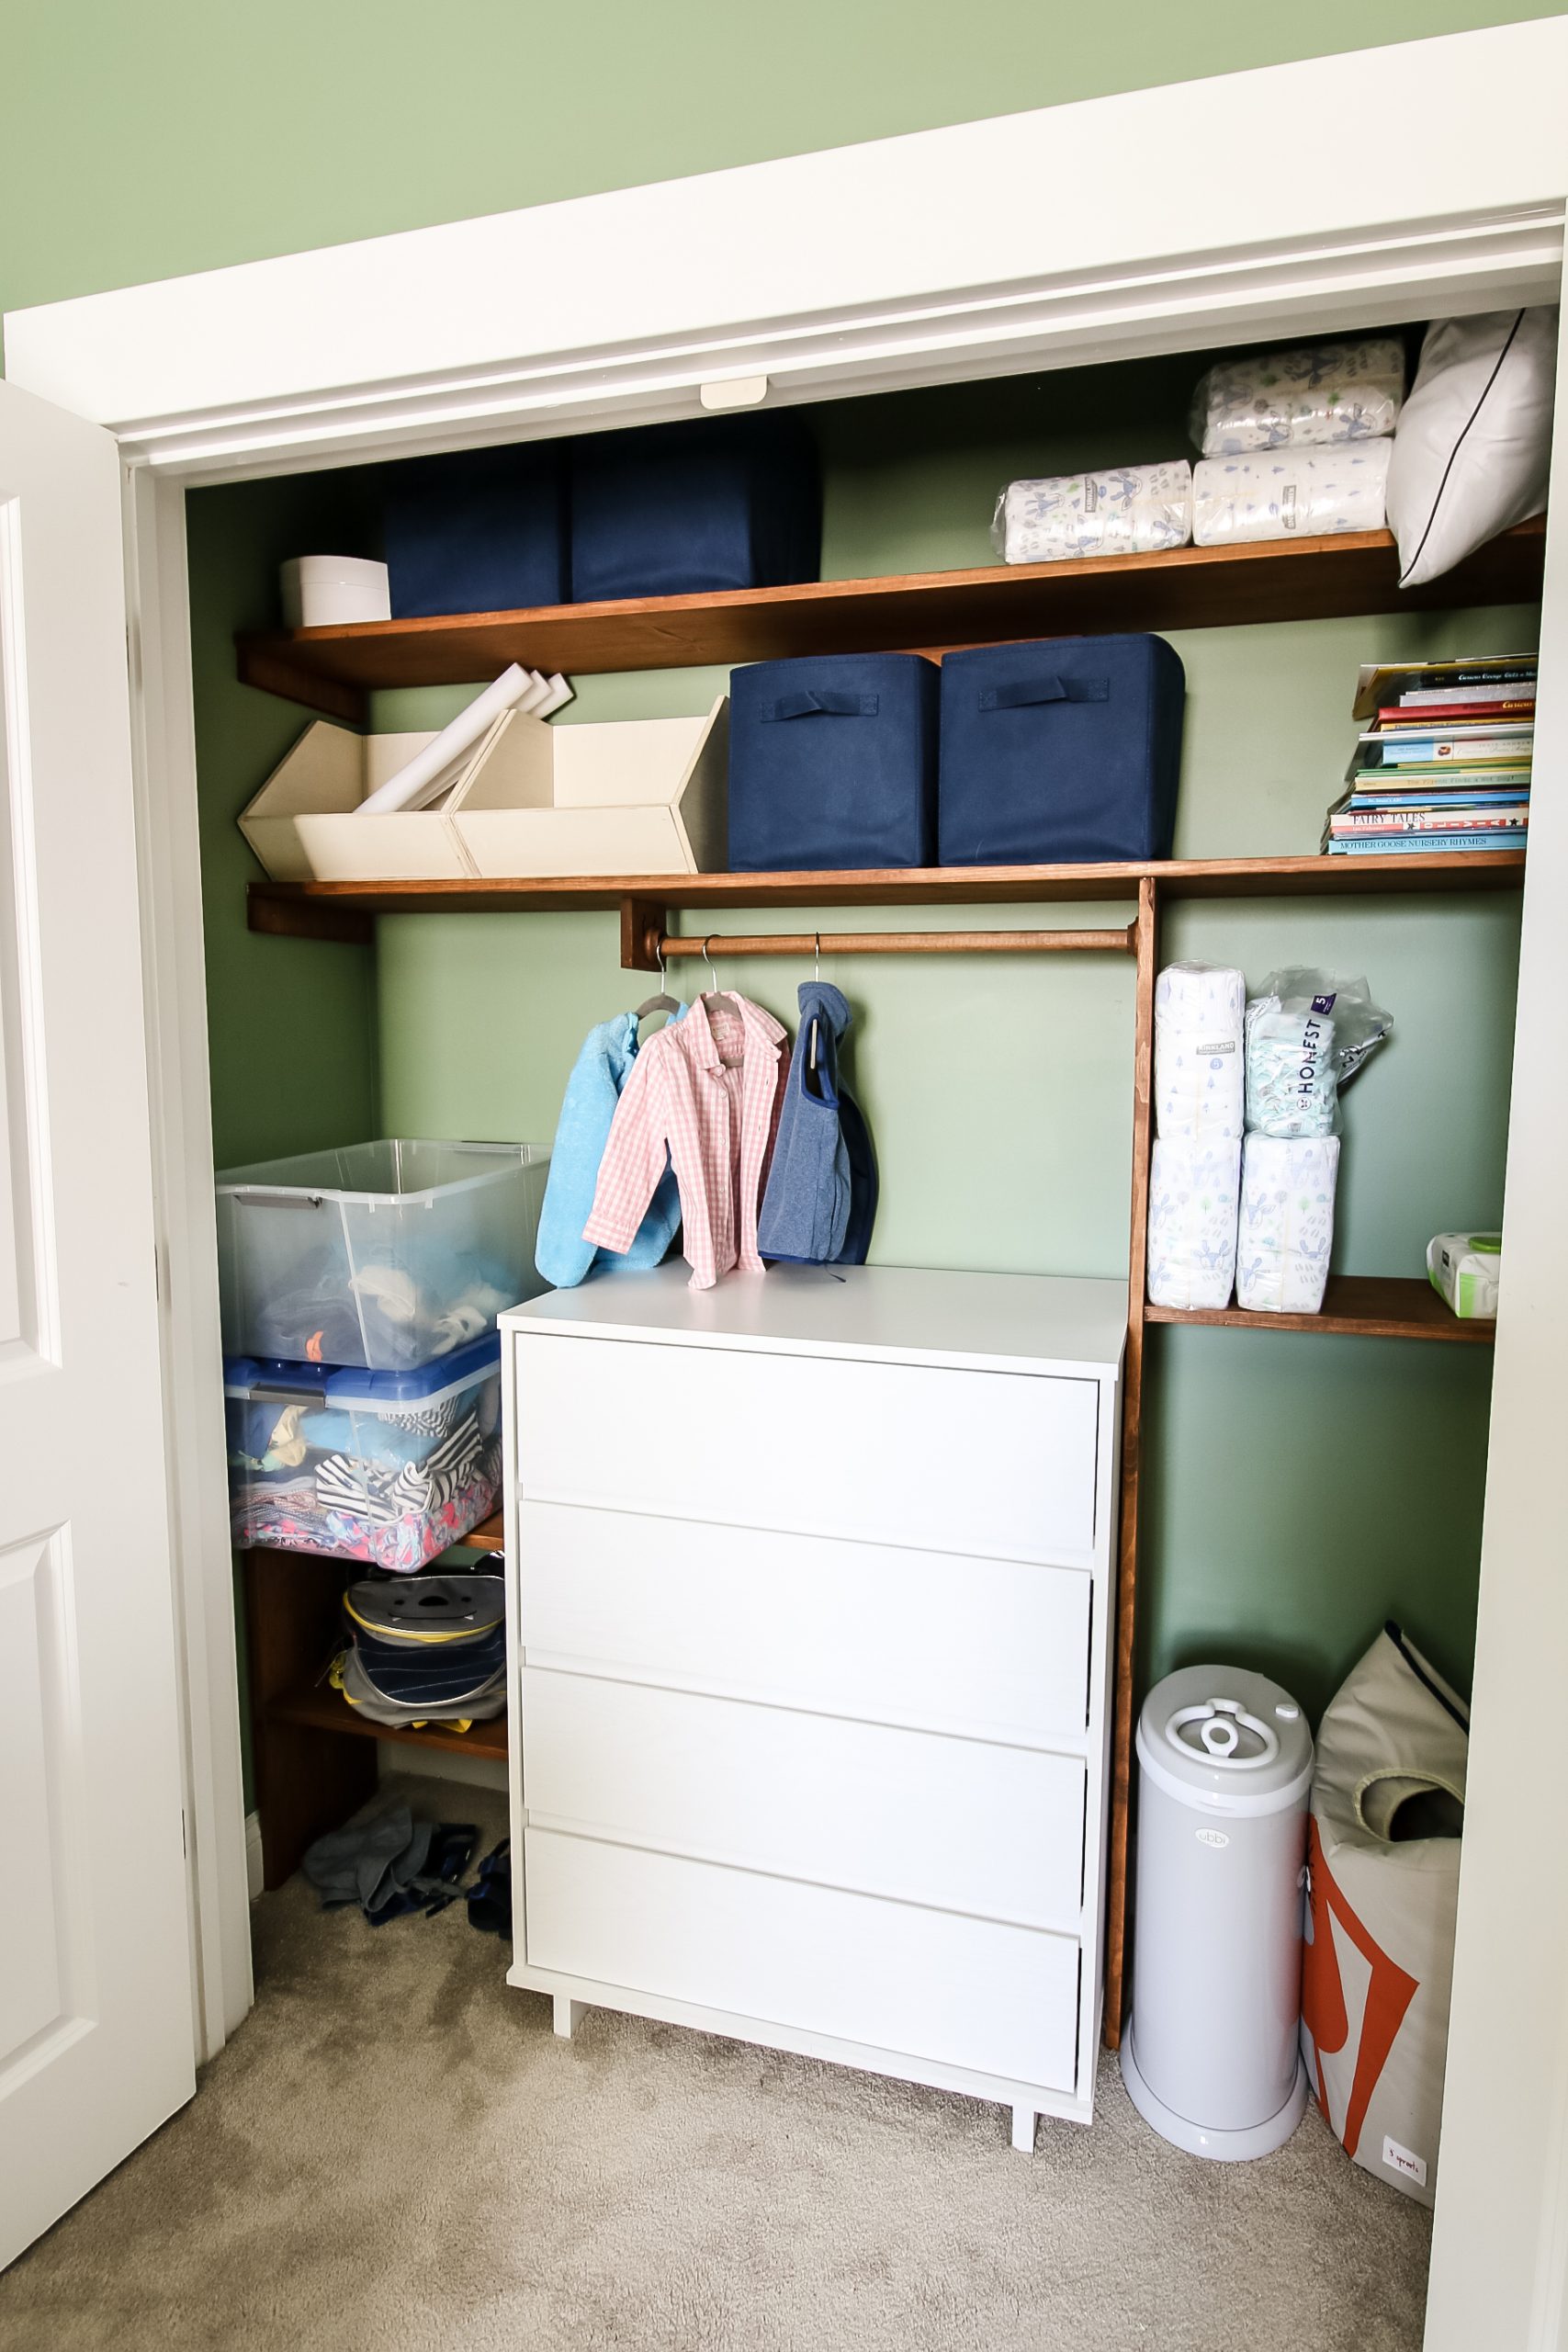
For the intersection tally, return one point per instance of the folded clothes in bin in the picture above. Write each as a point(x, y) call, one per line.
point(385, 1467)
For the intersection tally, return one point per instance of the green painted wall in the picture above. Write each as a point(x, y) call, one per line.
point(292, 1035)
point(184, 134)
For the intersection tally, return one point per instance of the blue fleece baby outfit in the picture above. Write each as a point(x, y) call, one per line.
point(592, 1091)
point(822, 1195)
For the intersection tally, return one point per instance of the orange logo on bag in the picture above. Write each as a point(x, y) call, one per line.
point(1324, 2012)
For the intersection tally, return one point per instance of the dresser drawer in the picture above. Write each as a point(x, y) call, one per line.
point(998, 1463)
point(998, 1648)
point(959, 1824)
point(932, 1984)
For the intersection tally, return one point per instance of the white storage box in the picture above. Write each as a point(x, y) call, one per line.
point(388, 1254)
point(385, 1466)
point(640, 795)
point(302, 824)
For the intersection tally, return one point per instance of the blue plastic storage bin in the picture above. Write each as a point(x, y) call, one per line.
point(480, 531)
point(832, 763)
point(385, 1466)
point(686, 509)
point(1066, 751)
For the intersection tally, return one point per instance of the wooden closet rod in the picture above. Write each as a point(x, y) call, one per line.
point(719, 944)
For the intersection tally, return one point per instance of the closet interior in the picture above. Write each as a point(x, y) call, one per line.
point(1288, 1482)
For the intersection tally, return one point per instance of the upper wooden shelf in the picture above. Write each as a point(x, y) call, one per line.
point(333, 670)
point(1373, 1307)
point(346, 909)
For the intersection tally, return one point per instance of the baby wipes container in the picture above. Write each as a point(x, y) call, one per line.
point(383, 1466)
point(1210, 2054)
point(389, 1254)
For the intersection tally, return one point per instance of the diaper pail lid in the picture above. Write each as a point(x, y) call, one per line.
point(1232, 1739)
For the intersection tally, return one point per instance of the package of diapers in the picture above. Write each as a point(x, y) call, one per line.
point(1292, 1086)
point(1123, 510)
point(1199, 1091)
point(1192, 1210)
point(1307, 1034)
point(1316, 393)
point(1291, 494)
point(1286, 1227)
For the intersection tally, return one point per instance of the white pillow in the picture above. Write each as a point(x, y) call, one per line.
point(1473, 441)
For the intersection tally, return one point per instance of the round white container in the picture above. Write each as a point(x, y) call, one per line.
point(1210, 2056)
point(326, 591)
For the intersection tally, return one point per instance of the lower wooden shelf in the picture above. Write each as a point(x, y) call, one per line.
point(489, 1535)
point(321, 1708)
point(1376, 1306)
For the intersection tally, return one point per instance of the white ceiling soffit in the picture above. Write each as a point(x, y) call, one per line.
point(1073, 233)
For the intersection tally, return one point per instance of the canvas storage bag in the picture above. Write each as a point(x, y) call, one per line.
point(476, 531)
point(695, 508)
point(833, 764)
point(1383, 1857)
point(1065, 751)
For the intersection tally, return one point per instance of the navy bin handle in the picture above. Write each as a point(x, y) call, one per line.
point(820, 700)
point(1019, 694)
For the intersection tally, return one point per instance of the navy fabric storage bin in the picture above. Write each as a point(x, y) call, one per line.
point(684, 510)
point(832, 763)
point(480, 531)
point(1066, 751)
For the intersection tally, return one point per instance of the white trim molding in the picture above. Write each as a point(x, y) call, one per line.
point(983, 249)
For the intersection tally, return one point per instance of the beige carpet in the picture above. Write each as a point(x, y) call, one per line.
point(396, 2151)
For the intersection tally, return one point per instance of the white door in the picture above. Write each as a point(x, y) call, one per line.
point(95, 2031)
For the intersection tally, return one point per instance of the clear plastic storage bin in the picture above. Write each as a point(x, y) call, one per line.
point(385, 1466)
point(389, 1254)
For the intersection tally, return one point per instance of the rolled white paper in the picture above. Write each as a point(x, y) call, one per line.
point(1199, 1054)
point(1291, 494)
point(422, 777)
point(1287, 1222)
point(558, 693)
point(1192, 1210)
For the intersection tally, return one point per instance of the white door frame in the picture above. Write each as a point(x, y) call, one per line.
point(1081, 232)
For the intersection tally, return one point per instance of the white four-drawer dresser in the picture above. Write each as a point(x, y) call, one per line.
point(810, 1597)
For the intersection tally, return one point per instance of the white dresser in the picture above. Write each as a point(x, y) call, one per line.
point(811, 1596)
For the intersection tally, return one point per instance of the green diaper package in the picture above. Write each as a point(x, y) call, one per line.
point(1466, 1269)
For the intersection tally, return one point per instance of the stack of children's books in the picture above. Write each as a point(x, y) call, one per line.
point(1444, 763)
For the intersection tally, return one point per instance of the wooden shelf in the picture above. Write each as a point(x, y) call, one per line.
point(345, 910)
point(334, 670)
point(489, 1536)
point(1374, 1306)
point(314, 1707)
